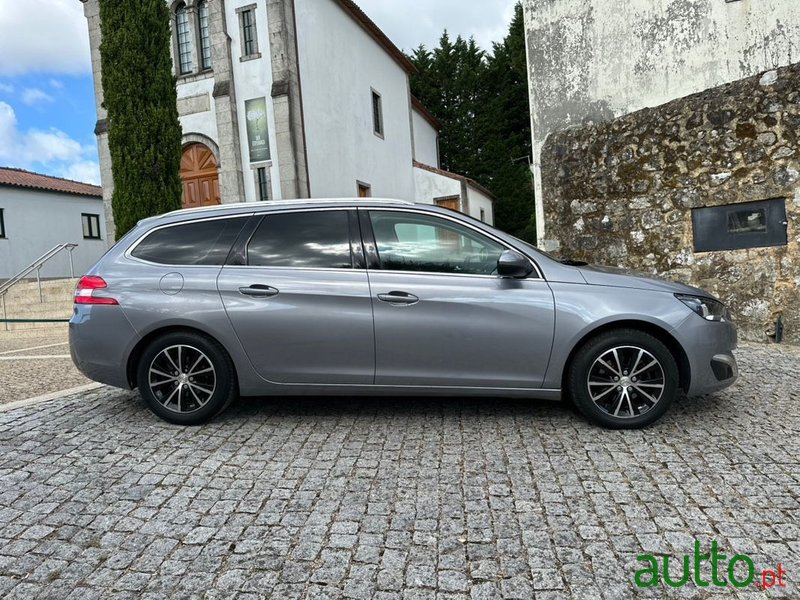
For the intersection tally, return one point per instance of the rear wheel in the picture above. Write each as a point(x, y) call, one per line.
point(623, 379)
point(186, 378)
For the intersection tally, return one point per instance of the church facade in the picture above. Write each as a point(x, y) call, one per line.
point(284, 99)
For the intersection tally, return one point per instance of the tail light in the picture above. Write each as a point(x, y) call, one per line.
point(84, 291)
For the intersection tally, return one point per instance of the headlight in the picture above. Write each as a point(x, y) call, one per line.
point(709, 309)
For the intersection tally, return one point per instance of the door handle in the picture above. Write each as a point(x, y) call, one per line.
point(398, 298)
point(259, 291)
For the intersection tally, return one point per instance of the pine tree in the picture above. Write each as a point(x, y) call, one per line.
point(508, 133)
point(482, 102)
point(144, 134)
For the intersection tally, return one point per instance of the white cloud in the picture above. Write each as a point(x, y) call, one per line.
point(43, 35)
point(87, 171)
point(48, 151)
point(33, 96)
point(409, 23)
point(55, 83)
point(6, 88)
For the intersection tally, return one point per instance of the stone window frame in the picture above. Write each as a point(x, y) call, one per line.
point(267, 166)
point(197, 71)
point(188, 6)
point(256, 54)
point(363, 185)
point(201, 68)
point(378, 122)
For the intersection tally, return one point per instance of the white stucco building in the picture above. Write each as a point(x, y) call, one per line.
point(38, 212)
point(284, 99)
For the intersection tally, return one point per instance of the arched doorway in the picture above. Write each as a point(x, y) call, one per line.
point(200, 176)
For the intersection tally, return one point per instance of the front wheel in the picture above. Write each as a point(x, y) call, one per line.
point(186, 378)
point(623, 379)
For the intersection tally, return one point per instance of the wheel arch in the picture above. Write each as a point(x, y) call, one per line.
point(661, 334)
point(136, 354)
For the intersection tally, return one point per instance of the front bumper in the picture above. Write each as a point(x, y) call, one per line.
point(709, 347)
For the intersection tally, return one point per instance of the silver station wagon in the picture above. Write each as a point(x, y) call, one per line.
point(383, 297)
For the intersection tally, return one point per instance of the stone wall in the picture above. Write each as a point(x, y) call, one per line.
point(621, 192)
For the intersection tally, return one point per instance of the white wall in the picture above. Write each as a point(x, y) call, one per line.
point(430, 186)
point(204, 123)
point(594, 60)
point(339, 64)
point(37, 220)
point(477, 201)
point(426, 140)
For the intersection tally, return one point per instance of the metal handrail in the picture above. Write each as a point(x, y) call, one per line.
point(36, 266)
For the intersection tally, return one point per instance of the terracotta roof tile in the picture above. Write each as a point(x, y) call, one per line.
point(467, 180)
point(35, 181)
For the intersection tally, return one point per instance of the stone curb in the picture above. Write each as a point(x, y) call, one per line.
point(48, 397)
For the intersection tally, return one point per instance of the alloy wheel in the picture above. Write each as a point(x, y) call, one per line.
point(182, 378)
point(626, 381)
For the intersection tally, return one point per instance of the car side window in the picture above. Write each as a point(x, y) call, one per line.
point(311, 239)
point(197, 243)
point(409, 241)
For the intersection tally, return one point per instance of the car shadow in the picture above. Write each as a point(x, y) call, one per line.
point(393, 406)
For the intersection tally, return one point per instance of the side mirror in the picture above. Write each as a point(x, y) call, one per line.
point(513, 264)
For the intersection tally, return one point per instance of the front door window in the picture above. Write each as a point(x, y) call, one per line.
point(414, 242)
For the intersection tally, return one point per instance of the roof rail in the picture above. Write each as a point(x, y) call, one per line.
point(288, 203)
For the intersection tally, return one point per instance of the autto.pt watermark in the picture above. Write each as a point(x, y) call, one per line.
point(711, 568)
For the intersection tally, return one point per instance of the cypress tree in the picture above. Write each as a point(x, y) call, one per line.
point(139, 94)
point(482, 102)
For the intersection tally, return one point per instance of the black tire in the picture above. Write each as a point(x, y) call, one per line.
point(193, 406)
point(631, 395)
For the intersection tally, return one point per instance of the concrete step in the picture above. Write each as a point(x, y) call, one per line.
point(24, 294)
point(47, 284)
point(48, 303)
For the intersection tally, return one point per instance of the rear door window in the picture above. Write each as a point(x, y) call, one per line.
point(310, 239)
point(197, 243)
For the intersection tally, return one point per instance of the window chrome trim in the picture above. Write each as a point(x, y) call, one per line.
point(407, 207)
point(457, 221)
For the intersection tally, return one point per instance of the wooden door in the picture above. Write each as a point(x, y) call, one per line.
point(200, 176)
point(453, 202)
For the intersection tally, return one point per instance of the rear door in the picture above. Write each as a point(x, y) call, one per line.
point(442, 315)
point(299, 300)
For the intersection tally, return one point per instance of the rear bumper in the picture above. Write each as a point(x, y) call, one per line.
point(100, 339)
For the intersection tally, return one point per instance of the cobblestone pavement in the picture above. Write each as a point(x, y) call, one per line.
point(388, 498)
point(36, 362)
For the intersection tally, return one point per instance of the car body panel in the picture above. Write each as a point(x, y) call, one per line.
point(625, 278)
point(464, 330)
point(100, 341)
point(466, 336)
point(317, 329)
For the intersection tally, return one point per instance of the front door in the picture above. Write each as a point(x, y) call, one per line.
point(442, 315)
point(200, 176)
point(300, 304)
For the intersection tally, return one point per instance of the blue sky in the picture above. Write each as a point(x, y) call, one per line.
point(47, 113)
point(47, 110)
